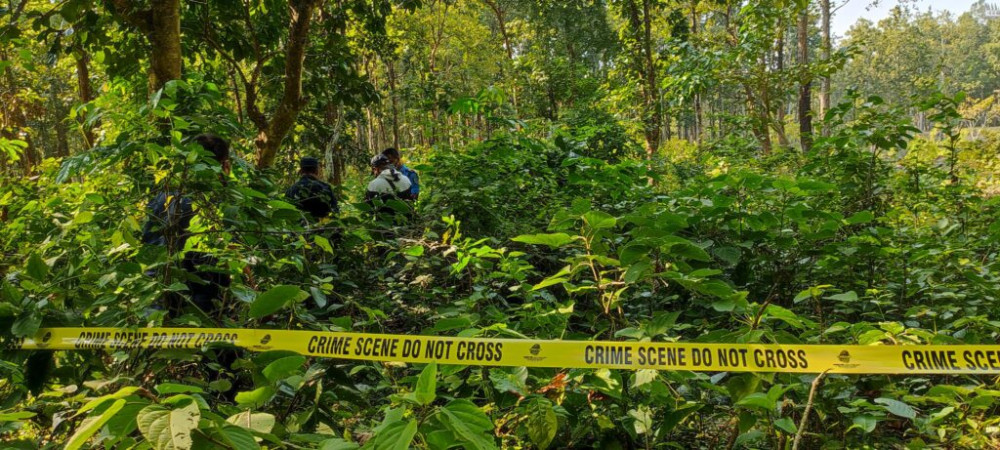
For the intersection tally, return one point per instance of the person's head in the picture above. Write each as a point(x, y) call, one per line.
point(394, 156)
point(309, 166)
point(217, 146)
point(379, 163)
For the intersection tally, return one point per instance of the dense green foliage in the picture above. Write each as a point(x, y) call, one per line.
point(539, 217)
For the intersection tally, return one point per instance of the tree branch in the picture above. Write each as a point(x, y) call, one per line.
point(128, 10)
point(805, 414)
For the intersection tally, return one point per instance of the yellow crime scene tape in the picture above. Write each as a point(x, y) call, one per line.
point(845, 359)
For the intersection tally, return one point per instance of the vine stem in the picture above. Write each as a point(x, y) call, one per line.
point(805, 414)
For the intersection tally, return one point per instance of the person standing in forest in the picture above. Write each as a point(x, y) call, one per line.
point(397, 161)
point(169, 215)
point(310, 194)
point(387, 185)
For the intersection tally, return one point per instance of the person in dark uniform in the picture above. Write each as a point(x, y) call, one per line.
point(310, 194)
point(169, 215)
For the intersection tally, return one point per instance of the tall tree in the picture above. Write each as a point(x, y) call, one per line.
point(85, 93)
point(805, 81)
point(499, 10)
point(640, 42)
point(825, 47)
point(273, 130)
point(160, 23)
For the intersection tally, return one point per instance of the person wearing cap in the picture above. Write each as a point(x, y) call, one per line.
point(397, 161)
point(388, 183)
point(310, 194)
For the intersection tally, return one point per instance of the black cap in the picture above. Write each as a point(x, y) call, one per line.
point(379, 160)
point(308, 163)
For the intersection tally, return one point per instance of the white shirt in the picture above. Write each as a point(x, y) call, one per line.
point(389, 181)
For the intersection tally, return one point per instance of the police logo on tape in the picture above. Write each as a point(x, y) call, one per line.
point(535, 350)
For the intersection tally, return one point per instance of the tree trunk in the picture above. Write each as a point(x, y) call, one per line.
point(85, 92)
point(161, 24)
point(698, 119)
point(758, 120)
point(805, 84)
point(333, 156)
point(269, 139)
point(394, 99)
point(780, 64)
point(502, 25)
point(165, 38)
point(642, 53)
point(824, 96)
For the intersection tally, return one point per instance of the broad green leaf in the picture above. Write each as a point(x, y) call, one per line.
point(542, 422)
point(785, 315)
point(92, 424)
point(599, 220)
point(452, 323)
point(510, 379)
point(425, 392)
point(897, 407)
point(337, 444)
point(255, 398)
point(220, 385)
point(469, 437)
point(9, 417)
point(259, 422)
point(239, 438)
point(83, 217)
point(323, 243)
point(861, 217)
point(729, 255)
point(553, 240)
point(675, 417)
point(36, 267)
point(758, 400)
point(174, 388)
point(284, 367)
point(866, 423)
point(121, 393)
point(632, 253)
point(471, 415)
point(553, 280)
point(635, 272)
point(415, 251)
point(26, 325)
point(396, 436)
point(274, 299)
point(848, 296)
point(642, 419)
point(786, 424)
point(643, 376)
point(169, 429)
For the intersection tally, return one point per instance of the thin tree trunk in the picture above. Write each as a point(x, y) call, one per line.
point(269, 139)
point(333, 156)
point(780, 64)
point(236, 91)
point(502, 25)
point(805, 84)
point(698, 120)
point(641, 24)
point(84, 91)
point(391, 67)
point(824, 97)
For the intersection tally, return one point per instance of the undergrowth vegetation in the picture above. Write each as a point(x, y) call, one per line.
point(875, 237)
